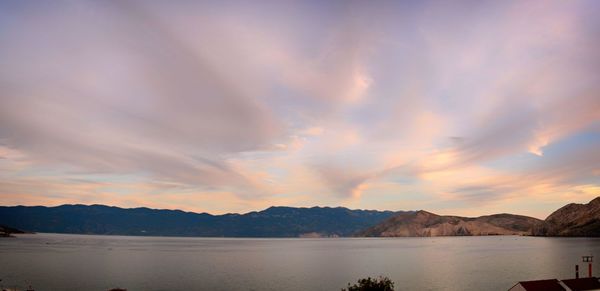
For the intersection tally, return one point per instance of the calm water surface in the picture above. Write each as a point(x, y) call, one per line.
point(86, 262)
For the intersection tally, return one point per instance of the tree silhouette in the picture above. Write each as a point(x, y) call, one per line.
point(372, 284)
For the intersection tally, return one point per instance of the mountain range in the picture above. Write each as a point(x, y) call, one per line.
point(570, 220)
point(271, 222)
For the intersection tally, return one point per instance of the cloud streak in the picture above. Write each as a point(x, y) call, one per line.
point(241, 106)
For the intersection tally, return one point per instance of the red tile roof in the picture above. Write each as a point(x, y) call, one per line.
point(542, 285)
point(582, 283)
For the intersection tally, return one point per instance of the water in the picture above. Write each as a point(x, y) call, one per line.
point(89, 262)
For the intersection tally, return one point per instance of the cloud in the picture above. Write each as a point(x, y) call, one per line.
point(343, 181)
point(244, 105)
point(103, 101)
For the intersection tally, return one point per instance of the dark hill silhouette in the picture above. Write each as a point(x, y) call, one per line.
point(271, 222)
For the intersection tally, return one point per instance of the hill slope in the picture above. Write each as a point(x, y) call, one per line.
point(7, 231)
point(423, 223)
point(572, 220)
point(272, 222)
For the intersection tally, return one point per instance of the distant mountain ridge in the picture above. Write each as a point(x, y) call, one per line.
point(423, 223)
point(271, 222)
point(572, 220)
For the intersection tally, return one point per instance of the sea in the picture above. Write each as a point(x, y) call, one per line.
point(98, 262)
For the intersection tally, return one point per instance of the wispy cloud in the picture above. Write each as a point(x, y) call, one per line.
point(240, 106)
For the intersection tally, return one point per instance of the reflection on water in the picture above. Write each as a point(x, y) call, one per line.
point(80, 262)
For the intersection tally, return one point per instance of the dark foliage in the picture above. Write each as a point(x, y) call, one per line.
point(372, 284)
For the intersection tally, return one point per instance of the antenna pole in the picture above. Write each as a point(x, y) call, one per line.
point(589, 260)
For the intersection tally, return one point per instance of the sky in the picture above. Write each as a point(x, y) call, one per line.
point(455, 107)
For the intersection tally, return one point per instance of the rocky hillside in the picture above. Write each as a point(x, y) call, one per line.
point(572, 220)
point(423, 223)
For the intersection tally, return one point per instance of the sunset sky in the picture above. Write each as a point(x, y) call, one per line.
point(465, 108)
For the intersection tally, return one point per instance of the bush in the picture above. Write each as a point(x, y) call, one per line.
point(372, 284)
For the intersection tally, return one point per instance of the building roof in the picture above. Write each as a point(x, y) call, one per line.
point(583, 284)
point(542, 285)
